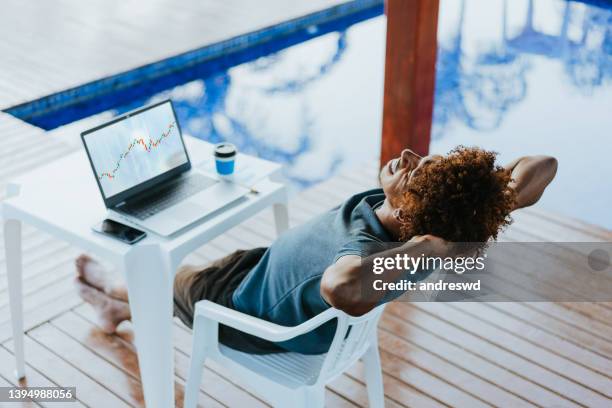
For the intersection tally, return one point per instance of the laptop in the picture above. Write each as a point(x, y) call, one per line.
point(144, 173)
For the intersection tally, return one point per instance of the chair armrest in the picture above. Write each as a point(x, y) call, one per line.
point(259, 327)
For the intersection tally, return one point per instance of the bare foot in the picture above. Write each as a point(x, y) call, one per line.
point(111, 311)
point(92, 273)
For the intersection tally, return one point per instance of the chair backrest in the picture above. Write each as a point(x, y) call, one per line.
point(353, 337)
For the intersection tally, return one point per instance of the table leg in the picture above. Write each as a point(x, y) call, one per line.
point(12, 248)
point(281, 217)
point(149, 281)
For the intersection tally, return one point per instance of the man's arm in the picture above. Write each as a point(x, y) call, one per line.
point(347, 286)
point(530, 177)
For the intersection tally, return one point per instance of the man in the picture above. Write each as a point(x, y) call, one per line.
point(425, 202)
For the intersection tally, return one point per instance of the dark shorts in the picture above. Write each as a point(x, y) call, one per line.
point(217, 283)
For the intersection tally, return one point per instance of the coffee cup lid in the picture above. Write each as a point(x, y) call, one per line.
point(223, 150)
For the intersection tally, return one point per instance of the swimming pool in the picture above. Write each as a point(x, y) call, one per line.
point(532, 78)
point(518, 77)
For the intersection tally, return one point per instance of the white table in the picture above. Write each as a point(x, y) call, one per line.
point(62, 199)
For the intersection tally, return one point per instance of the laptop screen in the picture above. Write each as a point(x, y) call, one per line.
point(135, 149)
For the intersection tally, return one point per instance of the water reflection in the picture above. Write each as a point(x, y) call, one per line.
point(551, 92)
point(299, 83)
point(296, 105)
point(478, 90)
point(204, 110)
point(587, 60)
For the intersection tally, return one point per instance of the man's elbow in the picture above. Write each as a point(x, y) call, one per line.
point(550, 165)
point(343, 293)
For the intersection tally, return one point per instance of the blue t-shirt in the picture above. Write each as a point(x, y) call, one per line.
point(284, 287)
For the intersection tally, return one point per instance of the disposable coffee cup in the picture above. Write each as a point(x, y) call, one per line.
point(225, 157)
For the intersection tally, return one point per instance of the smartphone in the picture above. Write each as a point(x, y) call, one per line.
point(122, 232)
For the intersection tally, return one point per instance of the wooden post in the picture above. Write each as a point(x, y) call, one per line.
point(409, 76)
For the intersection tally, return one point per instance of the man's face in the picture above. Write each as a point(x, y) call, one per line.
point(396, 175)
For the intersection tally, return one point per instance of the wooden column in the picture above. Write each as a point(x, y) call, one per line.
point(409, 76)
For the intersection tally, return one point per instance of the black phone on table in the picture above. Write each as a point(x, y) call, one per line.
point(122, 232)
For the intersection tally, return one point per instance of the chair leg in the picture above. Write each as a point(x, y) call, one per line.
point(196, 366)
point(373, 375)
point(313, 397)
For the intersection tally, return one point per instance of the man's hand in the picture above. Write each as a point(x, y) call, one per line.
point(530, 177)
point(435, 246)
point(347, 286)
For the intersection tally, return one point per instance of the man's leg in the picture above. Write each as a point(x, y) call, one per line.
point(95, 275)
point(186, 287)
point(108, 298)
point(214, 282)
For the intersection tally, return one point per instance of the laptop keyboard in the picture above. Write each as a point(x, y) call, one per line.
point(167, 196)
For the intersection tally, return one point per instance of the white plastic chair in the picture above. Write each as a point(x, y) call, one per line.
point(286, 379)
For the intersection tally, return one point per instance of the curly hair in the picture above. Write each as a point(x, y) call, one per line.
point(464, 197)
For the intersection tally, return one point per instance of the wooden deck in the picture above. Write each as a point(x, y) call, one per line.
point(465, 355)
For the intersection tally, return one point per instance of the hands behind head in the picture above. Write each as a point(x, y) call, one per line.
point(432, 245)
point(435, 246)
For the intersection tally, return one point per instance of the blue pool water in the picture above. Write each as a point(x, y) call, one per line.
point(519, 77)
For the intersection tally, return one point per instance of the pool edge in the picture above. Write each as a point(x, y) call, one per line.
point(133, 77)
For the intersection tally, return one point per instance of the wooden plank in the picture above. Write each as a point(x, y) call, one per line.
point(354, 391)
point(590, 316)
point(115, 349)
point(593, 311)
point(409, 76)
point(554, 231)
point(43, 312)
point(396, 390)
point(106, 375)
point(426, 383)
point(61, 372)
point(26, 231)
point(33, 377)
point(507, 359)
point(35, 300)
point(213, 386)
point(555, 320)
point(26, 404)
point(248, 238)
point(594, 231)
point(453, 374)
point(40, 257)
point(472, 362)
point(31, 162)
point(334, 400)
point(554, 266)
point(537, 336)
point(60, 269)
point(210, 252)
point(32, 241)
point(577, 373)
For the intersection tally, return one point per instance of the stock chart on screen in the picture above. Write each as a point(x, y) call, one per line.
point(136, 149)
